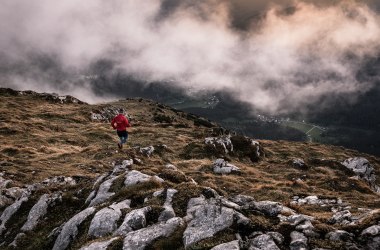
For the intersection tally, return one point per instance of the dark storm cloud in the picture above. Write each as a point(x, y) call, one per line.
point(279, 56)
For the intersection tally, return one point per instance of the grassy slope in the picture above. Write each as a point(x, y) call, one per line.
point(41, 139)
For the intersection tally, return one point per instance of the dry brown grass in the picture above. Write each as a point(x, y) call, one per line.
point(41, 140)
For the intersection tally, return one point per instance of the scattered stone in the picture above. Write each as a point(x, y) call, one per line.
point(299, 163)
point(342, 217)
point(140, 239)
point(339, 235)
point(362, 168)
point(223, 167)
point(168, 212)
point(371, 236)
point(105, 221)
point(39, 210)
point(242, 200)
point(314, 200)
point(205, 218)
point(233, 245)
point(59, 180)
point(148, 151)
point(105, 115)
point(221, 144)
point(264, 242)
point(277, 237)
point(17, 238)
point(134, 220)
point(171, 167)
point(270, 208)
point(102, 195)
point(9, 211)
point(298, 241)
point(101, 245)
point(70, 229)
point(122, 167)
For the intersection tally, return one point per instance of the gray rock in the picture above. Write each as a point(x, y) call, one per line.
point(148, 151)
point(100, 179)
point(70, 229)
point(277, 237)
point(9, 211)
point(298, 241)
point(270, 208)
point(339, 235)
point(263, 242)
point(103, 195)
point(59, 180)
point(205, 218)
point(17, 238)
point(221, 166)
point(299, 163)
point(105, 221)
point(100, 245)
point(39, 210)
point(140, 239)
point(123, 167)
point(233, 245)
point(4, 183)
point(342, 217)
point(168, 212)
point(371, 231)
point(222, 143)
point(299, 218)
point(134, 220)
point(242, 199)
point(362, 168)
point(133, 177)
point(171, 167)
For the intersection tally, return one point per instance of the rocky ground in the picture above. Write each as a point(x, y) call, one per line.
point(182, 182)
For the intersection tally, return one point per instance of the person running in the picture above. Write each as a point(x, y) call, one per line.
point(121, 123)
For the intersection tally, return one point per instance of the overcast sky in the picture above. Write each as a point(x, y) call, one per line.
point(276, 55)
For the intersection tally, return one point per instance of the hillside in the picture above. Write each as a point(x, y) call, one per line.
point(65, 184)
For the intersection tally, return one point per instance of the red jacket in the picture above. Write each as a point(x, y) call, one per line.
point(120, 122)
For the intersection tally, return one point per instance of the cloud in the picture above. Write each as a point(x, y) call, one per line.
point(294, 54)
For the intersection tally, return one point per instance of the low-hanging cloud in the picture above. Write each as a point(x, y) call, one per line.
point(289, 57)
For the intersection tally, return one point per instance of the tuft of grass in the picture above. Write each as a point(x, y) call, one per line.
point(173, 176)
point(186, 191)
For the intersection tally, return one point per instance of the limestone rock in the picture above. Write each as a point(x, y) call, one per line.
point(342, 217)
point(362, 168)
point(140, 239)
point(70, 229)
point(101, 245)
point(134, 220)
point(263, 242)
point(9, 211)
point(133, 177)
point(205, 218)
point(223, 167)
point(246, 147)
point(105, 221)
point(298, 241)
point(233, 245)
point(39, 210)
point(17, 238)
point(270, 208)
point(59, 180)
point(299, 163)
point(171, 167)
point(339, 235)
point(242, 199)
point(147, 151)
point(122, 167)
point(221, 144)
point(103, 195)
point(371, 236)
point(168, 212)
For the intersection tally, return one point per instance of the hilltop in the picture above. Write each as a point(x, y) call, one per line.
point(182, 182)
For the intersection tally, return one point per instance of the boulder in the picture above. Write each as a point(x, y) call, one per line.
point(100, 245)
point(223, 167)
point(270, 208)
point(222, 144)
point(263, 242)
point(299, 163)
point(362, 168)
point(242, 200)
point(140, 239)
point(342, 217)
point(105, 221)
point(298, 241)
point(9, 211)
point(102, 194)
point(205, 218)
point(39, 210)
point(233, 245)
point(339, 235)
point(168, 212)
point(371, 236)
point(134, 220)
point(122, 167)
point(246, 147)
point(70, 229)
point(147, 151)
point(134, 177)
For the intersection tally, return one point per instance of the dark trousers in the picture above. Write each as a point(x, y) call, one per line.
point(123, 135)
